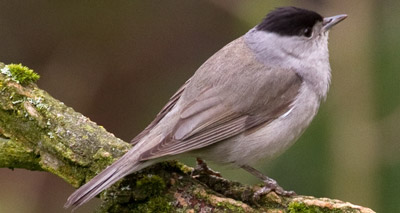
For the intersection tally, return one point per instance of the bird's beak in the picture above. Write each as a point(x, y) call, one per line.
point(329, 22)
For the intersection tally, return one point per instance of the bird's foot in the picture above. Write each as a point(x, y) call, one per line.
point(272, 185)
point(269, 184)
point(202, 168)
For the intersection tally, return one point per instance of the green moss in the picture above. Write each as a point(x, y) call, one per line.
point(149, 188)
point(146, 196)
point(19, 73)
point(228, 207)
point(150, 185)
point(185, 169)
point(295, 207)
point(14, 154)
point(155, 204)
point(102, 158)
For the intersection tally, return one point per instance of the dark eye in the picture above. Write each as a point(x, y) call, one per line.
point(308, 32)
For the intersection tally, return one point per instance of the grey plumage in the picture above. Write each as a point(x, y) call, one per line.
point(209, 104)
point(251, 100)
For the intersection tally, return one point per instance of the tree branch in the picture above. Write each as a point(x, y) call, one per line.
point(37, 132)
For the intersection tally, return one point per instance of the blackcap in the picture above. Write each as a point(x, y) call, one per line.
point(251, 100)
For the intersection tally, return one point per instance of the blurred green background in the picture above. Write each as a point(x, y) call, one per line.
point(118, 62)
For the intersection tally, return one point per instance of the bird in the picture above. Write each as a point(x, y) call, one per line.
point(248, 102)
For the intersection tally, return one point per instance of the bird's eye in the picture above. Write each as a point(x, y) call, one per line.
point(308, 32)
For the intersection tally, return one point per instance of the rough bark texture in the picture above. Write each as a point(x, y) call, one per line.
point(38, 132)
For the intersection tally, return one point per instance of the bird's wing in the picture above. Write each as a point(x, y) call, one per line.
point(218, 106)
point(205, 122)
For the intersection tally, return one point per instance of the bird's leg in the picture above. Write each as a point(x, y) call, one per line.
point(270, 184)
point(202, 167)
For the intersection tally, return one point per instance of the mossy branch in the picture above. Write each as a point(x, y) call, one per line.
point(38, 132)
point(41, 133)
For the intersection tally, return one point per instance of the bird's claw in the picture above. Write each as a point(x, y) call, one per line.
point(202, 168)
point(272, 185)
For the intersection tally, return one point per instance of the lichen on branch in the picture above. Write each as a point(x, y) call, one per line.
point(56, 137)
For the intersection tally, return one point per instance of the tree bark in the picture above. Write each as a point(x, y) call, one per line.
point(38, 132)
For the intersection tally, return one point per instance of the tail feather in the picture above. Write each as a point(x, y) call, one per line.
point(103, 180)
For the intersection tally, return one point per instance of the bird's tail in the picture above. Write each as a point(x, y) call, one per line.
point(119, 169)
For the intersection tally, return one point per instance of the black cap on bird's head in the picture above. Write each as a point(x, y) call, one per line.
point(290, 21)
